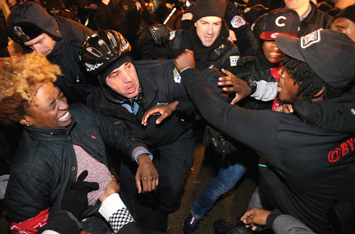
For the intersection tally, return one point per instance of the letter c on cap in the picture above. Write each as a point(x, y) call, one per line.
point(277, 21)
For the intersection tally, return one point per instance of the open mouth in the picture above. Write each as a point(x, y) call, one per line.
point(131, 89)
point(278, 87)
point(275, 55)
point(65, 117)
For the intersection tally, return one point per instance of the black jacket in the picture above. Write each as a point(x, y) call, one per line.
point(160, 87)
point(314, 21)
point(305, 163)
point(46, 162)
point(205, 57)
point(66, 55)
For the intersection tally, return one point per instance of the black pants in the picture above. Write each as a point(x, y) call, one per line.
point(175, 160)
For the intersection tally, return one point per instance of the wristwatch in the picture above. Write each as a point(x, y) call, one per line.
point(253, 85)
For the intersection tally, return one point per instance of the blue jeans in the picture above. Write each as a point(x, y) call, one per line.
point(224, 181)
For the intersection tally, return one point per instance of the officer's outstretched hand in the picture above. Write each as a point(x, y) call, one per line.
point(160, 34)
point(231, 83)
point(164, 112)
point(147, 178)
point(185, 60)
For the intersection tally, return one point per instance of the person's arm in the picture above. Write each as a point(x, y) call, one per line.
point(125, 142)
point(155, 41)
point(279, 222)
point(113, 209)
point(247, 126)
point(246, 42)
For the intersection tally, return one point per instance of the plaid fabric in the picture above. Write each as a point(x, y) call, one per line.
point(120, 218)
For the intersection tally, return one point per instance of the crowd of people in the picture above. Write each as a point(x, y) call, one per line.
point(86, 107)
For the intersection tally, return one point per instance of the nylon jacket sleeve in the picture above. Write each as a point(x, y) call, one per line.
point(247, 43)
point(114, 136)
point(149, 49)
point(247, 126)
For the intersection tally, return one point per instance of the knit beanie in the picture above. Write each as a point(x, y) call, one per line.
point(348, 13)
point(204, 8)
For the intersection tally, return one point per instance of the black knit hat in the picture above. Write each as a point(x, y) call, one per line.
point(29, 20)
point(281, 20)
point(330, 54)
point(204, 8)
point(348, 13)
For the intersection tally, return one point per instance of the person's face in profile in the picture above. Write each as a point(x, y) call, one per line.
point(345, 26)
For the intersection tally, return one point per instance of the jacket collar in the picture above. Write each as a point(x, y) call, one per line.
point(50, 134)
point(312, 16)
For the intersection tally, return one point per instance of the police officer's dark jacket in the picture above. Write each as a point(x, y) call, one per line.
point(221, 54)
point(66, 54)
point(159, 81)
point(46, 162)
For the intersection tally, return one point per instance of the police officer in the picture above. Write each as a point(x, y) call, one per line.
point(59, 39)
point(208, 38)
point(130, 90)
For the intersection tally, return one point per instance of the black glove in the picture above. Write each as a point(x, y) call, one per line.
point(75, 198)
point(245, 59)
point(159, 33)
point(222, 227)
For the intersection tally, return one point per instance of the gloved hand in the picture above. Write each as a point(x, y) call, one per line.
point(75, 198)
point(245, 59)
point(222, 227)
point(159, 33)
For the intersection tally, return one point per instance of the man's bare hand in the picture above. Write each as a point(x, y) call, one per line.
point(185, 60)
point(163, 111)
point(147, 178)
point(256, 216)
point(231, 83)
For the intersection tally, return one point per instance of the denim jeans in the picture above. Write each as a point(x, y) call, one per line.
point(224, 181)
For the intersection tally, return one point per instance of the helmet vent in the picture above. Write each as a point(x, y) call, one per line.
point(94, 52)
point(112, 39)
point(102, 43)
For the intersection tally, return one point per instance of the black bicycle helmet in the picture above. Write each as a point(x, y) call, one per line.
point(101, 49)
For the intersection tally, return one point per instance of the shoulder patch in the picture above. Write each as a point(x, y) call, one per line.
point(172, 35)
point(187, 16)
point(310, 39)
point(177, 77)
point(237, 21)
point(233, 60)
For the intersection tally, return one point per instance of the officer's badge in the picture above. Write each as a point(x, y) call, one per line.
point(309, 39)
point(177, 77)
point(233, 60)
point(237, 21)
point(187, 16)
point(171, 35)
